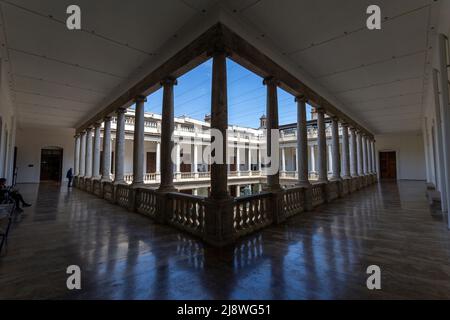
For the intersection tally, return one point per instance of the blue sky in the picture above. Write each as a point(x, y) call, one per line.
point(246, 96)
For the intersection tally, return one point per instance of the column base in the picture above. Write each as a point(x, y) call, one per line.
point(218, 221)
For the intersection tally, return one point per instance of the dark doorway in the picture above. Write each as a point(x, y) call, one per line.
point(388, 165)
point(51, 164)
point(151, 162)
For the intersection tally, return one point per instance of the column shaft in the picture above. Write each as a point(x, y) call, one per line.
point(219, 122)
point(353, 153)
point(345, 152)
point(88, 166)
point(83, 154)
point(360, 154)
point(138, 142)
point(273, 180)
point(120, 146)
point(249, 159)
point(76, 164)
point(322, 145)
point(283, 159)
point(335, 149)
point(167, 129)
point(302, 142)
point(106, 161)
point(195, 169)
point(96, 156)
point(158, 155)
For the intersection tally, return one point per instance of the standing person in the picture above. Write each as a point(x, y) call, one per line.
point(69, 176)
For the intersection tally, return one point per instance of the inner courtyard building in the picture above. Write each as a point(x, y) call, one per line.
point(225, 149)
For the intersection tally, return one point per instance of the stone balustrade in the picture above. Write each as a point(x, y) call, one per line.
point(186, 212)
point(247, 213)
point(251, 213)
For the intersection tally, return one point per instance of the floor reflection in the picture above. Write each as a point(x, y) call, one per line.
point(321, 254)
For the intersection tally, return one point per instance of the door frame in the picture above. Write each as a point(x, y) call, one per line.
point(61, 177)
point(397, 159)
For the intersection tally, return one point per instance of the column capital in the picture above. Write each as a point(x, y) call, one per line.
point(97, 124)
point(77, 135)
point(107, 118)
point(89, 128)
point(320, 109)
point(301, 98)
point(141, 98)
point(270, 81)
point(121, 110)
point(169, 81)
point(334, 118)
point(344, 124)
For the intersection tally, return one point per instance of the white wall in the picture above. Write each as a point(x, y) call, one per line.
point(30, 141)
point(410, 154)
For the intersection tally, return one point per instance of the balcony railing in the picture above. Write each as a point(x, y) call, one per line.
point(251, 213)
point(219, 222)
point(187, 212)
point(146, 201)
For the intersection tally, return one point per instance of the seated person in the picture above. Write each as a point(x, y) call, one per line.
point(13, 194)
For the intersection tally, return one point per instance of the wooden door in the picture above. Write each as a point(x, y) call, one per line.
point(51, 164)
point(388, 165)
point(151, 162)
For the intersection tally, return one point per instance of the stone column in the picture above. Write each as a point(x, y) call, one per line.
point(322, 145)
point(158, 155)
point(335, 149)
point(313, 159)
point(302, 143)
point(219, 204)
point(219, 121)
point(167, 143)
point(353, 153)
point(273, 180)
point(83, 154)
point(249, 159)
point(238, 159)
point(360, 154)
point(369, 156)
point(120, 146)
point(178, 158)
point(259, 159)
point(76, 164)
point(365, 154)
point(374, 157)
point(138, 142)
point(88, 166)
point(195, 169)
point(283, 159)
point(96, 157)
point(106, 161)
point(329, 159)
point(345, 152)
point(445, 114)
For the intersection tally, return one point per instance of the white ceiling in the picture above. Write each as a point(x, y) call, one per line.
point(377, 75)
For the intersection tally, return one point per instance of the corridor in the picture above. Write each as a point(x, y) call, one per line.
point(321, 254)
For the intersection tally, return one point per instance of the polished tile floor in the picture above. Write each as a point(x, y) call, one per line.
point(317, 255)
